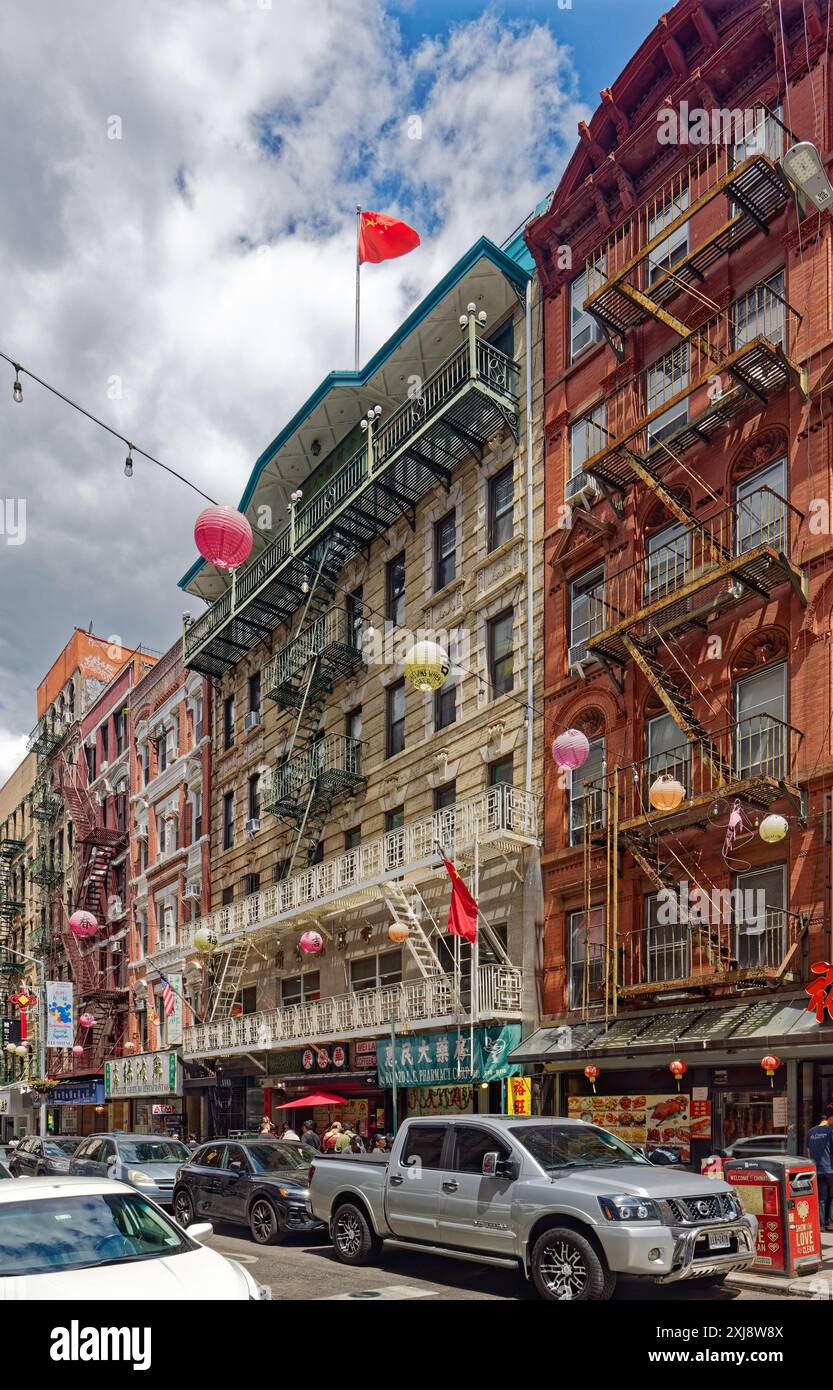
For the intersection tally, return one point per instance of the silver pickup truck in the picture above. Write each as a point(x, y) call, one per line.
point(567, 1202)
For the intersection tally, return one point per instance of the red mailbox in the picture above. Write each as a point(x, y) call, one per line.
point(782, 1192)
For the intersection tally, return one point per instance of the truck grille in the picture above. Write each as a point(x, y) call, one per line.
point(690, 1211)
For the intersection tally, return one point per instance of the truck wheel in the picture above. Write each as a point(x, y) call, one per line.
point(567, 1268)
point(354, 1240)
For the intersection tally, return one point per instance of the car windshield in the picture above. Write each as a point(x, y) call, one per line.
point(152, 1151)
point(83, 1231)
point(59, 1148)
point(557, 1147)
point(266, 1157)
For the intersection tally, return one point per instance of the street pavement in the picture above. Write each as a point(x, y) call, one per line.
point(302, 1269)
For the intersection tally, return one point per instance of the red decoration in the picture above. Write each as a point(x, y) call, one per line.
point(87, 1020)
point(591, 1073)
point(77, 1050)
point(223, 537)
point(821, 990)
point(571, 749)
point(24, 999)
point(83, 924)
point(382, 238)
point(462, 911)
point(770, 1065)
point(677, 1069)
point(311, 943)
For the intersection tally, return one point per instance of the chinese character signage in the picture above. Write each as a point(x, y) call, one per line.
point(437, 1059)
point(78, 1093)
point(324, 1057)
point(440, 1100)
point(519, 1095)
point(60, 1027)
point(146, 1074)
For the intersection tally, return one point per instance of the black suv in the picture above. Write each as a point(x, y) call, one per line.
point(257, 1183)
point(36, 1156)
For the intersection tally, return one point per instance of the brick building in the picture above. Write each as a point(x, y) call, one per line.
point(688, 558)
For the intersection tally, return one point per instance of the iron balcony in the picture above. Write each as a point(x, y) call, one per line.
point(331, 638)
point(330, 768)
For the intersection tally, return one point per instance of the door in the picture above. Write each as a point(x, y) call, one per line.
point(205, 1184)
point(476, 1210)
point(85, 1160)
point(232, 1189)
point(415, 1182)
point(24, 1166)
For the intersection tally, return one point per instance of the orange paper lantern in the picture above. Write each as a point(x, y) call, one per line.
point(770, 1065)
point(591, 1072)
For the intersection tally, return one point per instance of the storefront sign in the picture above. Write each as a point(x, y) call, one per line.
point(60, 1026)
point(519, 1095)
point(146, 1074)
point(643, 1121)
point(440, 1100)
point(701, 1119)
point(164, 1110)
point(78, 1093)
point(364, 1054)
point(443, 1058)
point(324, 1057)
point(173, 1024)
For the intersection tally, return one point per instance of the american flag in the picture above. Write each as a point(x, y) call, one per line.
point(168, 997)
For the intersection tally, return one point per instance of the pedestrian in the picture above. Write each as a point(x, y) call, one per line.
point(288, 1135)
point(309, 1137)
point(820, 1149)
point(380, 1144)
point(357, 1144)
point(328, 1143)
point(267, 1129)
point(192, 1138)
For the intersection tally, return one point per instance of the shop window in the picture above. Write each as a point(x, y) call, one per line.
point(586, 947)
point(590, 806)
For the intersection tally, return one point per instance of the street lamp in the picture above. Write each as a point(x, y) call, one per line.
point(41, 1021)
point(805, 171)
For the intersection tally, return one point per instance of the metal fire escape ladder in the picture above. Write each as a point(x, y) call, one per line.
point(227, 979)
point(677, 703)
point(717, 950)
point(406, 909)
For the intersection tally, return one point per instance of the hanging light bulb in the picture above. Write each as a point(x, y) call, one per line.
point(17, 389)
point(128, 464)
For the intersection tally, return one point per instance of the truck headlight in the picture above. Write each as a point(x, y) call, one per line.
point(629, 1208)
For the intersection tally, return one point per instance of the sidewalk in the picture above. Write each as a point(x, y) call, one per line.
point(818, 1285)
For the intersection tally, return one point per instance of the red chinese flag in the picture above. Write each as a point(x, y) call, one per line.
point(462, 912)
point(381, 238)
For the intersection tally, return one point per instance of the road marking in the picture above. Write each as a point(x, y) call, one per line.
point(389, 1291)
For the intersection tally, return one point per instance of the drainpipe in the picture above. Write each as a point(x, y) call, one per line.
point(530, 559)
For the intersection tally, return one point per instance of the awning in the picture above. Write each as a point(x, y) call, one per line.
point(304, 1102)
point(720, 1028)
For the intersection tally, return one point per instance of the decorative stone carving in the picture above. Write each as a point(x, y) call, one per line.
point(763, 448)
point(760, 649)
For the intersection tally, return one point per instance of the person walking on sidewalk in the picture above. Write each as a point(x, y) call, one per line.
point(820, 1149)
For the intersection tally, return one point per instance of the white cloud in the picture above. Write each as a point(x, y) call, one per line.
point(206, 258)
point(12, 752)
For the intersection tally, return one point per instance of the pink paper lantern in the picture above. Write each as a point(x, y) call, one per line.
point(571, 749)
point(78, 1050)
point(83, 924)
point(312, 943)
point(87, 1020)
point(223, 536)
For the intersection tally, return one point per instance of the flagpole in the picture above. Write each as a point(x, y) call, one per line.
point(358, 282)
point(475, 953)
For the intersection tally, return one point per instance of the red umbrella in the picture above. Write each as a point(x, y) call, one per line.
point(319, 1098)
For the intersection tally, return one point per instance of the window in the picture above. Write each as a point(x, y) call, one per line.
point(674, 247)
point(251, 884)
point(445, 550)
point(353, 723)
point(301, 989)
point(664, 379)
point(501, 772)
point(760, 922)
point(254, 693)
point(445, 796)
point(211, 1157)
point(584, 329)
point(246, 1001)
point(586, 945)
point(228, 722)
point(445, 705)
point(472, 1144)
point(668, 561)
point(762, 135)
point(395, 718)
point(669, 752)
point(501, 653)
point(668, 943)
point(761, 511)
point(396, 590)
point(761, 313)
point(197, 720)
point(254, 796)
point(104, 734)
point(503, 338)
point(197, 815)
point(89, 754)
point(587, 611)
point(161, 753)
point(501, 506)
point(145, 764)
point(591, 772)
point(228, 820)
point(355, 617)
point(228, 896)
point(487, 953)
point(353, 838)
point(376, 972)
point(395, 819)
point(119, 726)
point(423, 1146)
point(587, 437)
point(761, 712)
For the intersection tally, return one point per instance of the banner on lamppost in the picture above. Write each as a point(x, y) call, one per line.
point(60, 1025)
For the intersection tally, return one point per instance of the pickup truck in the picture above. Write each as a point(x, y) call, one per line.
point(567, 1202)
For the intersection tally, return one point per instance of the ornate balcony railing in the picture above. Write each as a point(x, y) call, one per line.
point(331, 636)
point(367, 1011)
point(498, 820)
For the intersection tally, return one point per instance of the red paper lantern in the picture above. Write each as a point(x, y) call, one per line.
point(571, 749)
point(677, 1069)
point(87, 1020)
point(83, 924)
point(591, 1072)
point(223, 536)
point(770, 1065)
point(77, 1050)
point(312, 943)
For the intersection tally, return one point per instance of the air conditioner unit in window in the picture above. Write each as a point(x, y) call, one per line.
point(116, 947)
point(252, 826)
point(252, 720)
point(578, 659)
point(582, 490)
point(192, 890)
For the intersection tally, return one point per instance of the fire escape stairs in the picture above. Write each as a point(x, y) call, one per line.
point(407, 909)
point(228, 976)
point(658, 873)
point(677, 703)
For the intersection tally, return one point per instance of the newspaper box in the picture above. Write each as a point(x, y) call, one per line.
point(782, 1192)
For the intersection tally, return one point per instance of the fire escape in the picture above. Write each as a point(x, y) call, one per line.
point(11, 907)
point(650, 270)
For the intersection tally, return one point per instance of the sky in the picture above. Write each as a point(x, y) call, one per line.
point(177, 247)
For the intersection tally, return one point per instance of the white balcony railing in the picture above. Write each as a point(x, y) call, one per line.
point(369, 1011)
point(500, 817)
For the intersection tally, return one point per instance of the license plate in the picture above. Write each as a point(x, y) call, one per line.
point(719, 1241)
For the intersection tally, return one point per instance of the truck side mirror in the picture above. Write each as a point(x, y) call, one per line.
point(490, 1165)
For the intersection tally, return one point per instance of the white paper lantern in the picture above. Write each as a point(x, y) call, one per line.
point(427, 666)
point(772, 829)
point(206, 940)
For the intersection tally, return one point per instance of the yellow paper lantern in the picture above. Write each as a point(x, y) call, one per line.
point(427, 665)
point(666, 793)
point(772, 829)
point(206, 940)
point(399, 932)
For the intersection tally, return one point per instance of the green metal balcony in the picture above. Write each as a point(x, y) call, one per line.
point(461, 406)
point(332, 639)
point(330, 769)
point(45, 870)
point(44, 803)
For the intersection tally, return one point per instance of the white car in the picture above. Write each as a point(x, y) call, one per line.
point(94, 1238)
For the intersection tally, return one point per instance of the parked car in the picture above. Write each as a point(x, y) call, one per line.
point(5, 1170)
point(755, 1146)
point(147, 1161)
point(36, 1156)
point(93, 1239)
point(257, 1183)
point(570, 1203)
